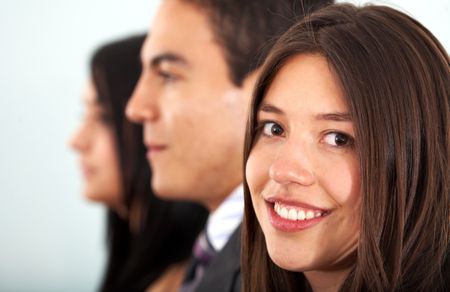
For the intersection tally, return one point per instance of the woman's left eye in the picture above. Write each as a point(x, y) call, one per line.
point(272, 129)
point(337, 139)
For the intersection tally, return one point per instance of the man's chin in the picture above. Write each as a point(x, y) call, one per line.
point(166, 192)
point(171, 193)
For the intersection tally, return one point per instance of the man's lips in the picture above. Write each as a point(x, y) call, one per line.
point(155, 149)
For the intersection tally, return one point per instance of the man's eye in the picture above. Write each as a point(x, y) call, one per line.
point(272, 129)
point(166, 76)
point(337, 139)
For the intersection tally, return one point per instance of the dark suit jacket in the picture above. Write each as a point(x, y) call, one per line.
point(224, 272)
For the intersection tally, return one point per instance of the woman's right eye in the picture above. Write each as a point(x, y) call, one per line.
point(271, 129)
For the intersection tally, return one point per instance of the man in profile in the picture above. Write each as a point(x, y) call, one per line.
point(199, 68)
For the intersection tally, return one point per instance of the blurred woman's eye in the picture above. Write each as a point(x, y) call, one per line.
point(105, 118)
point(270, 129)
point(98, 116)
point(337, 139)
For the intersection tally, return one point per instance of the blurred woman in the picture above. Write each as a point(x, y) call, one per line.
point(347, 158)
point(149, 240)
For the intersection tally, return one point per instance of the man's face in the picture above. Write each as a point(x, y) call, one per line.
point(193, 115)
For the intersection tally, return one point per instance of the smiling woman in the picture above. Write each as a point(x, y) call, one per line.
point(347, 158)
point(300, 149)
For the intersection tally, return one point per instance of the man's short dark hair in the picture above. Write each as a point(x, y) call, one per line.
point(246, 29)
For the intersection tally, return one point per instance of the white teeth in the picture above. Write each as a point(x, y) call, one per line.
point(301, 215)
point(284, 213)
point(294, 214)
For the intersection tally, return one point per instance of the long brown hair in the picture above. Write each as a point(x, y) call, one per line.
point(396, 80)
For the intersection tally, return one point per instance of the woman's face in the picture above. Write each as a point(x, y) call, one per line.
point(303, 171)
point(94, 141)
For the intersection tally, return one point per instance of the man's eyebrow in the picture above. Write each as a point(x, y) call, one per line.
point(168, 57)
point(268, 108)
point(335, 116)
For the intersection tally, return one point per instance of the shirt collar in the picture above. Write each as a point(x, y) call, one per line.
point(225, 219)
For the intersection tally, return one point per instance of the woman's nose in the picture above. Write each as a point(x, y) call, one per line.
point(292, 165)
point(78, 141)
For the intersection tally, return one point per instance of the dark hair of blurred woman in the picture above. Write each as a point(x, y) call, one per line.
point(146, 237)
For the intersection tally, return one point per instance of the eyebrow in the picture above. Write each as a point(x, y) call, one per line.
point(268, 108)
point(335, 116)
point(168, 57)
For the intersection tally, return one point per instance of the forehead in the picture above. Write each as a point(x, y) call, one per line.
point(182, 29)
point(307, 82)
point(89, 93)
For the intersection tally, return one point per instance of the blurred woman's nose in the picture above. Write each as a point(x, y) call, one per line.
point(292, 165)
point(79, 141)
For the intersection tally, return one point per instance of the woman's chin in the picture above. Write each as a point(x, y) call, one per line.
point(287, 261)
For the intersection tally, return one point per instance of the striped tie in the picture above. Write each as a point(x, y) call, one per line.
point(203, 253)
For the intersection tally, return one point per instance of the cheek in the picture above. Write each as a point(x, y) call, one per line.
point(232, 107)
point(107, 156)
point(184, 118)
point(111, 169)
point(236, 104)
point(254, 173)
point(107, 148)
point(257, 176)
point(342, 180)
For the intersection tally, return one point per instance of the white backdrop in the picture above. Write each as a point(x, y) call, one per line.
point(50, 238)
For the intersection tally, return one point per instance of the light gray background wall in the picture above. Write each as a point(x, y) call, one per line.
point(50, 238)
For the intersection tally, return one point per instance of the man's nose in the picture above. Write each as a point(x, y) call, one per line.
point(142, 106)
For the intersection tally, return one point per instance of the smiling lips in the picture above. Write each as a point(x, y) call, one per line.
point(291, 218)
point(295, 213)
